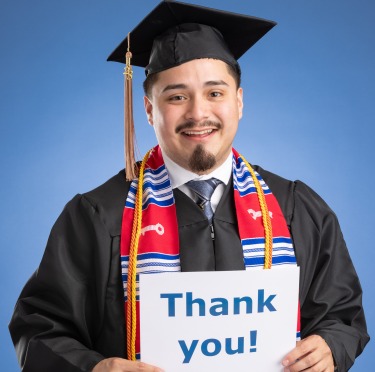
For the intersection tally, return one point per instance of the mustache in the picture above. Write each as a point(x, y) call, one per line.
point(192, 124)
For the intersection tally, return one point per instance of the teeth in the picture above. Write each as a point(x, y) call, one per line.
point(198, 133)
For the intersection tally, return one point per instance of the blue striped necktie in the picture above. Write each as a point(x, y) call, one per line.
point(204, 190)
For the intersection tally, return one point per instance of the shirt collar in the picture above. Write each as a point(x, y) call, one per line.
point(179, 176)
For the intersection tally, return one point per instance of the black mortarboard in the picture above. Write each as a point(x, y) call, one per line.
point(175, 32)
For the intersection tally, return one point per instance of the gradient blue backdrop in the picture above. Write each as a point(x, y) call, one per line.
point(309, 114)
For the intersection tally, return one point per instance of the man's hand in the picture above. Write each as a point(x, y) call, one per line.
point(123, 365)
point(311, 354)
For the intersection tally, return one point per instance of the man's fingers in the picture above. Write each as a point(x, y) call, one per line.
point(318, 367)
point(311, 354)
point(305, 347)
point(304, 362)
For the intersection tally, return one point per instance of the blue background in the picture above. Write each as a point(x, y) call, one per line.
point(309, 115)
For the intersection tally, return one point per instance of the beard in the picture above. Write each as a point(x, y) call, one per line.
point(201, 160)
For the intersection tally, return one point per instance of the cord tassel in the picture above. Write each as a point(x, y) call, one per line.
point(267, 224)
point(131, 310)
point(129, 131)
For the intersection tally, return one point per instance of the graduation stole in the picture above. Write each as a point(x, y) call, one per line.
point(149, 233)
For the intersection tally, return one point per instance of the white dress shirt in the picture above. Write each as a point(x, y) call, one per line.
point(180, 176)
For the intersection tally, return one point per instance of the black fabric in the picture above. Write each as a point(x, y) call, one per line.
point(175, 32)
point(70, 314)
point(187, 42)
point(198, 251)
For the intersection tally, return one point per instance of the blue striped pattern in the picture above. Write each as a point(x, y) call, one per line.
point(242, 180)
point(282, 253)
point(157, 189)
point(150, 263)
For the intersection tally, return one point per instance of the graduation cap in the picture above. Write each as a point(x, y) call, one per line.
point(174, 33)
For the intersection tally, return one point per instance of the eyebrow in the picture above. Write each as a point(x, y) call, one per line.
point(216, 82)
point(184, 86)
point(174, 86)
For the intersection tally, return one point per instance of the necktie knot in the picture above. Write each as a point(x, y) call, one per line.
point(204, 190)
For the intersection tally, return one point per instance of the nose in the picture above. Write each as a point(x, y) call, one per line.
point(197, 109)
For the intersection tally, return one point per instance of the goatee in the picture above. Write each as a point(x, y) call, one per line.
point(201, 160)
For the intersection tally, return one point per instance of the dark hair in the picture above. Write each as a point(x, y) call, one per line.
point(234, 71)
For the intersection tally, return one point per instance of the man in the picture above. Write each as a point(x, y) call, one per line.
point(70, 315)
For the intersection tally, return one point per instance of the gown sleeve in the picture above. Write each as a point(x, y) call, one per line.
point(330, 291)
point(59, 311)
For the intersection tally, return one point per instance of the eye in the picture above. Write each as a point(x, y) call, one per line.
point(176, 98)
point(215, 94)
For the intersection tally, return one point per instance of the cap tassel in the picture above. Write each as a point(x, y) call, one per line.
point(129, 151)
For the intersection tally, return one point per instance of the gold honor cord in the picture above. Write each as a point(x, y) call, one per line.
point(131, 309)
point(131, 315)
point(265, 217)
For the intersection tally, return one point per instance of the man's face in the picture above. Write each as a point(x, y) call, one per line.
point(194, 109)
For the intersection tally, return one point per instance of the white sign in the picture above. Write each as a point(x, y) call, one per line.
point(219, 321)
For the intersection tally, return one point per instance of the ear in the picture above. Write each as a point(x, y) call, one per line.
point(148, 109)
point(240, 102)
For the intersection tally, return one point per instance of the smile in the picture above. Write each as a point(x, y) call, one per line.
point(198, 132)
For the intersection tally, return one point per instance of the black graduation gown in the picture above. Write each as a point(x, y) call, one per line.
point(69, 315)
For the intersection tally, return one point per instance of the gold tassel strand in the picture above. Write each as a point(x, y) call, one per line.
point(129, 132)
point(267, 224)
point(131, 320)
